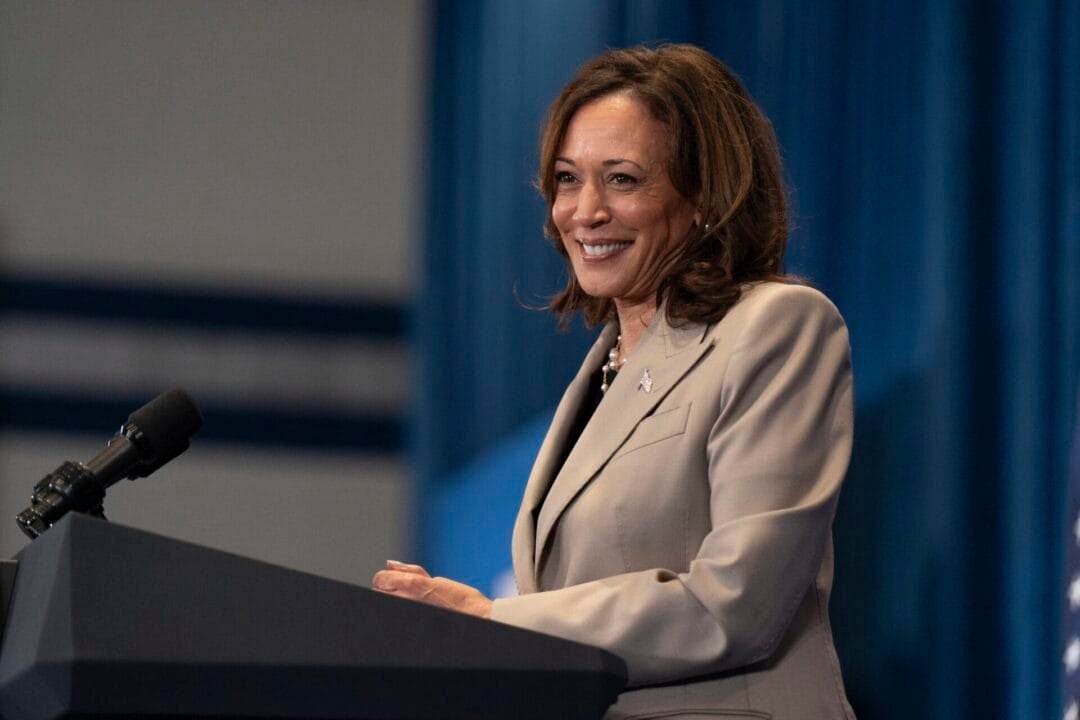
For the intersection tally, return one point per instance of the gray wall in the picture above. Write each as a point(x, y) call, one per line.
point(270, 150)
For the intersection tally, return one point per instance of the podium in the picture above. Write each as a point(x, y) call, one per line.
point(107, 621)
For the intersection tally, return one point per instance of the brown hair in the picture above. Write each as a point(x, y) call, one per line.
point(721, 149)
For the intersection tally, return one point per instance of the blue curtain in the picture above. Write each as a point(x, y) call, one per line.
point(933, 151)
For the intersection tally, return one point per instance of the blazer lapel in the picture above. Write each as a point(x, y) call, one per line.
point(545, 467)
point(663, 356)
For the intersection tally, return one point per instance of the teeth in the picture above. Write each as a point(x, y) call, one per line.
point(598, 250)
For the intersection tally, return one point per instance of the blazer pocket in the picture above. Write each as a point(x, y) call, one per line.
point(655, 428)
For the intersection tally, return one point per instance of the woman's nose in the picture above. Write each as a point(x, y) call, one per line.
point(591, 207)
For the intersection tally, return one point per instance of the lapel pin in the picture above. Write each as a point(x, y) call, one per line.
point(646, 381)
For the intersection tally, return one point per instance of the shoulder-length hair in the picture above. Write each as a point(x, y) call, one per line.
point(723, 156)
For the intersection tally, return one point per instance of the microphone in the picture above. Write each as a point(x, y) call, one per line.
point(152, 436)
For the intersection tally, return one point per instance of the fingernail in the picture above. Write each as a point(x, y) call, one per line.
point(395, 563)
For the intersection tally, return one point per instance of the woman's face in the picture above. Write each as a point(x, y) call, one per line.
point(617, 212)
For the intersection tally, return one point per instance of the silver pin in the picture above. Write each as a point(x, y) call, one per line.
point(646, 381)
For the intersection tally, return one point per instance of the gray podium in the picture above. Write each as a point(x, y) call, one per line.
point(106, 621)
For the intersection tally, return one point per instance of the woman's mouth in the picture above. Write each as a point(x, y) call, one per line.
point(602, 251)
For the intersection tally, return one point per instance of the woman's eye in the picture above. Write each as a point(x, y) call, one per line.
point(563, 177)
point(623, 179)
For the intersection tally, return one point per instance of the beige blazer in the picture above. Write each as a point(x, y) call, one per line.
point(689, 530)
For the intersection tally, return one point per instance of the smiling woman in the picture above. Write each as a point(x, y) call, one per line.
point(716, 149)
point(679, 512)
point(620, 219)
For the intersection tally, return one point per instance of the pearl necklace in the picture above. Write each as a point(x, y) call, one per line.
point(612, 365)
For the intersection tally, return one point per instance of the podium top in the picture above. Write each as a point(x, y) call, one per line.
point(113, 621)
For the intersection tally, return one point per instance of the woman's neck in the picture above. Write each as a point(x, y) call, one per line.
point(633, 319)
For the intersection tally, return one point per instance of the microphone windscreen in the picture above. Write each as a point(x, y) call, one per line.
point(167, 423)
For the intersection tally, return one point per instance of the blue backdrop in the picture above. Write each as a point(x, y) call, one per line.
point(933, 151)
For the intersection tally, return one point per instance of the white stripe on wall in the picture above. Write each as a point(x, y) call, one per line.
point(243, 369)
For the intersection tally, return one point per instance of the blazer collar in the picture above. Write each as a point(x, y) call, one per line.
point(666, 354)
point(544, 469)
point(545, 466)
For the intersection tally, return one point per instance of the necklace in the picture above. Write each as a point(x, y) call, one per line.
point(612, 365)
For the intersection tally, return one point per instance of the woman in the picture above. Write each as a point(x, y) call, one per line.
point(679, 512)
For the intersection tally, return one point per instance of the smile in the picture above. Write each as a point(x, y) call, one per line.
point(597, 252)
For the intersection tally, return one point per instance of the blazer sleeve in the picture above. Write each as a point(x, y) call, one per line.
point(777, 454)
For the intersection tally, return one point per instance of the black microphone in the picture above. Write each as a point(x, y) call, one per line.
point(152, 436)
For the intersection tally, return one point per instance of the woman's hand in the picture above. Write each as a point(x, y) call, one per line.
point(414, 583)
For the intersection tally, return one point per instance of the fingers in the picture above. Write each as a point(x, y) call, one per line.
point(406, 567)
point(403, 583)
point(415, 584)
point(404, 579)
